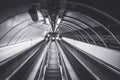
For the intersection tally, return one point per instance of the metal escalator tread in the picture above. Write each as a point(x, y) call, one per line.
point(53, 73)
point(53, 69)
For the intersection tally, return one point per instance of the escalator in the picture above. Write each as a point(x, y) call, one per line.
point(53, 71)
point(81, 71)
point(18, 67)
point(100, 69)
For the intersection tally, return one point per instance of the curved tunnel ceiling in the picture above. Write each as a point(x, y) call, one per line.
point(21, 28)
point(99, 28)
point(82, 20)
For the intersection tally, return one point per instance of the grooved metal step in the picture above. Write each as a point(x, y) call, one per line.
point(53, 70)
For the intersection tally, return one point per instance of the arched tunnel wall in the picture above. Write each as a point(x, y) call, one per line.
point(17, 26)
point(90, 25)
point(86, 23)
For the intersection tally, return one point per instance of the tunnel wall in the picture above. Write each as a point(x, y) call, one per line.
point(90, 25)
point(16, 49)
point(109, 56)
point(21, 28)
